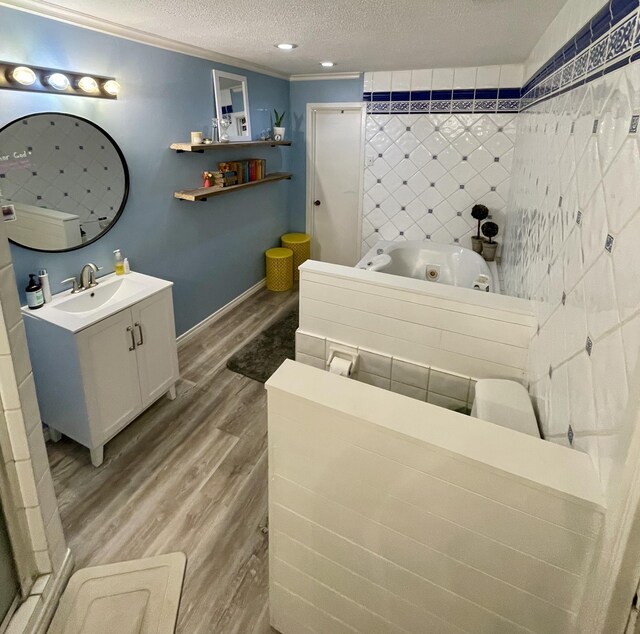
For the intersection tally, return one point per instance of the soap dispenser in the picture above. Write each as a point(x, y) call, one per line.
point(119, 262)
point(35, 297)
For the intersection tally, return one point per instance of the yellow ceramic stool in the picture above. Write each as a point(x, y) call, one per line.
point(279, 269)
point(300, 244)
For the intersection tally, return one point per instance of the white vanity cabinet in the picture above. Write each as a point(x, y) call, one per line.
point(91, 383)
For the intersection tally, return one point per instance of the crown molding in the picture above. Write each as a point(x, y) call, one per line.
point(77, 18)
point(324, 76)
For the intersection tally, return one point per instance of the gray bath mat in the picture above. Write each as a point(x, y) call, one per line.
point(264, 354)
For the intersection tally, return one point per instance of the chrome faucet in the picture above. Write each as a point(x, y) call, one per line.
point(88, 276)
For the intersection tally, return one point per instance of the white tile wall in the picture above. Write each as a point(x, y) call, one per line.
point(375, 526)
point(572, 246)
point(459, 331)
point(422, 382)
point(424, 172)
point(32, 508)
point(573, 15)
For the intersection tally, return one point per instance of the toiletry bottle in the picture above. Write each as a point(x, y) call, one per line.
point(35, 298)
point(119, 264)
point(43, 278)
point(127, 268)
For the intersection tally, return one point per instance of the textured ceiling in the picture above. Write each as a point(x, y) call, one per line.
point(358, 35)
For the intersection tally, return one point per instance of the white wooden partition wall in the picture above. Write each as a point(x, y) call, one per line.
point(481, 335)
point(390, 515)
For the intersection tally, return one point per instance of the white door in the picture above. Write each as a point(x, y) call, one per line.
point(155, 336)
point(334, 181)
point(110, 372)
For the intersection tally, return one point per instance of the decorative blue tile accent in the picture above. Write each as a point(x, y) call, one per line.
point(589, 346)
point(604, 44)
point(570, 435)
point(597, 54)
point(621, 39)
point(608, 245)
point(633, 126)
point(594, 129)
point(579, 217)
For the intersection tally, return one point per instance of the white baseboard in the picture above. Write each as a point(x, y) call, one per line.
point(192, 332)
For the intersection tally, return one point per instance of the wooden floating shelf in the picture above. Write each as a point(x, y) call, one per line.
point(201, 147)
point(206, 192)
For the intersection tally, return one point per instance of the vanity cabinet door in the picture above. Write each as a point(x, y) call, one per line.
point(156, 349)
point(110, 375)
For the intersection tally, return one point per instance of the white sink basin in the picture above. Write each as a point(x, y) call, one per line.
point(76, 311)
point(99, 296)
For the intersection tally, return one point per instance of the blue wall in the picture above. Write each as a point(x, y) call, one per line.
point(302, 93)
point(213, 250)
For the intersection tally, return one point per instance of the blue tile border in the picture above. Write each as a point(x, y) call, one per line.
point(610, 40)
point(491, 100)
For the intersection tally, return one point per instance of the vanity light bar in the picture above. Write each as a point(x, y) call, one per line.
point(53, 80)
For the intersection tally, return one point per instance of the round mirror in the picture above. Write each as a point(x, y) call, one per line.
point(63, 181)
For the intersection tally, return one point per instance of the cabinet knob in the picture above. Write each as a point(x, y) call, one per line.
point(316, 203)
point(133, 340)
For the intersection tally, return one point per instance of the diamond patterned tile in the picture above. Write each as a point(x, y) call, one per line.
point(494, 174)
point(380, 168)
point(466, 143)
point(389, 231)
point(429, 224)
point(414, 232)
point(394, 128)
point(402, 220)
point(406, 169)
point(418, 183)
point(480, 158)
point(557, 246)
point(446, 185)
point(407, 142)
point(435, 143)
point(433, 170)
point(429, 153)
point(381, 142)
point(460, 200)
point(416, 209)
point(444, 212)
point(463, 172)
point(449, 158)
point(393, 155)
point(420, 156)
point(405, 194)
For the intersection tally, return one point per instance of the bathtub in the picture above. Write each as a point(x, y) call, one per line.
point(426, 260)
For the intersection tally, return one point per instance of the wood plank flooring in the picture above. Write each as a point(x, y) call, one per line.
point(188, 475)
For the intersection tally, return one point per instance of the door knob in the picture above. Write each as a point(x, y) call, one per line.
point(316, 203)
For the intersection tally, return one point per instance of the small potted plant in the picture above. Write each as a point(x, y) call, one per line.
point(278, 130)
point(480, 213)
point(490, 230)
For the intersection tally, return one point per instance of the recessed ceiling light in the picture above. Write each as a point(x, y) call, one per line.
point(286, 47)
point(23, 75)
point(327, 64)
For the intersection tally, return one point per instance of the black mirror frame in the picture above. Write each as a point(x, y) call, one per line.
point(125, 167)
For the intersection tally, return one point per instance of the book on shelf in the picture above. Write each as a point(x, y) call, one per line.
point(244, 171)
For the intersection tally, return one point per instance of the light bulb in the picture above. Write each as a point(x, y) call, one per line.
point(88, 84)
point(327, 64)
point(58, 81)
point(111, 87)
point(286, 47)
point(23, 75)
